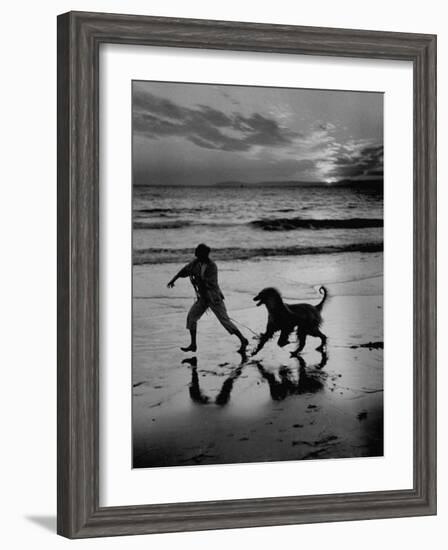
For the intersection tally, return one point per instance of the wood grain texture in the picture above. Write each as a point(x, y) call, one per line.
point(79, 38)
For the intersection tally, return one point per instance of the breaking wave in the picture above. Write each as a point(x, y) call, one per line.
point(288, 224)
point(268, 224)
point(179, 255)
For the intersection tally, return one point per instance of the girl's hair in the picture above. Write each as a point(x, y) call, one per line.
point(202, 250)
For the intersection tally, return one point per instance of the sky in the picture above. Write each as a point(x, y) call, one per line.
point(205, 134)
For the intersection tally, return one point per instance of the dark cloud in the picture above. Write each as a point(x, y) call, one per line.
point(358, 163)
point(205, 126)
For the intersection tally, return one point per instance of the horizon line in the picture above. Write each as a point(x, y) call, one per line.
point(267, 184)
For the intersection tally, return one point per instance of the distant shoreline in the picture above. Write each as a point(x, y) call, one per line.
point(377, 184)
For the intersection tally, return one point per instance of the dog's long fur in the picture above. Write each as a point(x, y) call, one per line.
point(305, 318)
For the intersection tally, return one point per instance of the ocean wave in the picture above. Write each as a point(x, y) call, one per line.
point(288, 224)
point(169, 210)
point(165, 224)
point(180, 255)
point(266, 224)
point(179, 224)
point(155, 210)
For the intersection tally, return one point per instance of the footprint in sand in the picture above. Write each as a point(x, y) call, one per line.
point(362, 415)
point(295, 443)
point(327, 439)
point(322, 441)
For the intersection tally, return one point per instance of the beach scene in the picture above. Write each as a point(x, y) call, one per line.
point(284, 187)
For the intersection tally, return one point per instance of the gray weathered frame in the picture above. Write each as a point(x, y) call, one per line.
point(79, 37)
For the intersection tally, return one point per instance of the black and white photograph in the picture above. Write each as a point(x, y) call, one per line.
point(257, 306)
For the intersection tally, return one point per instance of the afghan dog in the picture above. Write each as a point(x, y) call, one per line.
point(305, 318)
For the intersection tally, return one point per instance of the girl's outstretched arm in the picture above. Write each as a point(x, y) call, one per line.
point(184, 272)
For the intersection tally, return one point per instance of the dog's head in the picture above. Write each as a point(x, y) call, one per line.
point(270, 297)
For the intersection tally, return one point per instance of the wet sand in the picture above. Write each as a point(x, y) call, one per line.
point(216, 407)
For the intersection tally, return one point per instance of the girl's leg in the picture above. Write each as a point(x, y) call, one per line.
point(219, 309)
point(193, 345)
point(196, 311)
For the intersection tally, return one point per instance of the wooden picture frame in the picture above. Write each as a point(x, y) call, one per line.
point(79, 38)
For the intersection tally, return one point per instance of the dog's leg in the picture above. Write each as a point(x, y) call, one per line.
point(263, 339)
point(323, 339)
point(323, 360)
point(284, 338)
point(301, 336)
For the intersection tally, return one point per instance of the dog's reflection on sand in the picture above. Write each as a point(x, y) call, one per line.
point(285, 385)
point(280, 388)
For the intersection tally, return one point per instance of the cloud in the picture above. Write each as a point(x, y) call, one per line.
point(206, 127)
point(358, 162)
point(331, 158)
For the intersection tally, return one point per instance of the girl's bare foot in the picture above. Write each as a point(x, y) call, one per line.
point(191, 347)
point(193, 361)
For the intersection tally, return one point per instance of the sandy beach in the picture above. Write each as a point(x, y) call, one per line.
point(214, 407)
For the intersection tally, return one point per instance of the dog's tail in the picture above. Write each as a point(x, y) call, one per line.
point(323, 291)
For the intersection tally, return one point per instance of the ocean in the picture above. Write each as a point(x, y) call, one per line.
point(241, 223)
